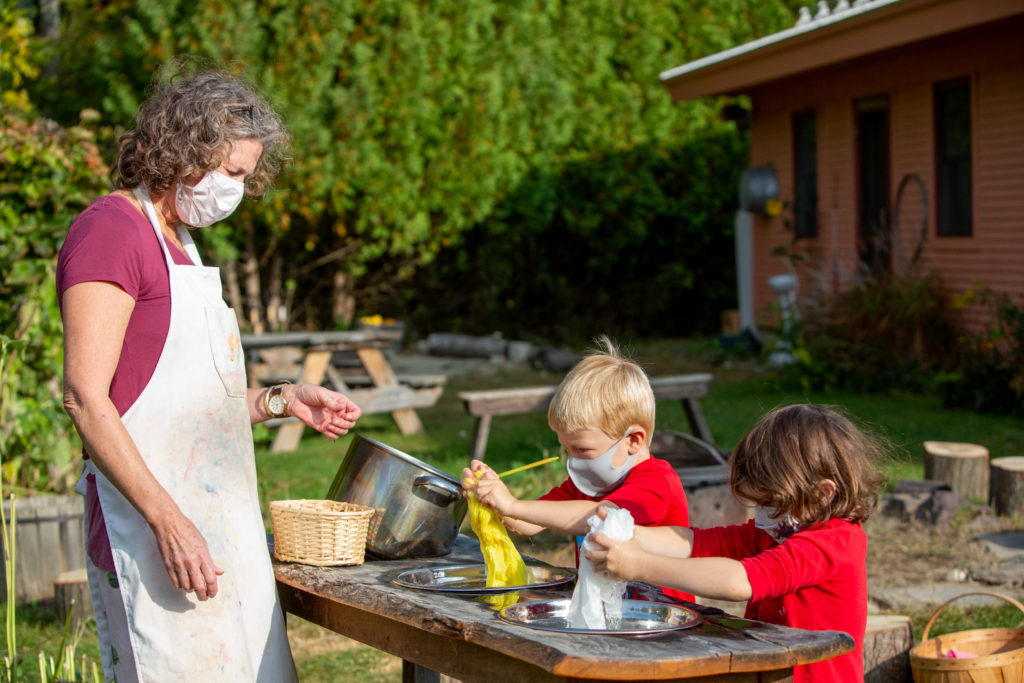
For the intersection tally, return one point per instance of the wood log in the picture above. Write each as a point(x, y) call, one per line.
point(887, 642)
point(68, 587)
point(964, 466)
point(1007, 485)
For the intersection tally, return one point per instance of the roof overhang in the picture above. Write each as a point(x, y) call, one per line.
point(875, 26)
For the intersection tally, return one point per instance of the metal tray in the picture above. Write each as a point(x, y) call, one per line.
point(639, 617)
point(471, 579)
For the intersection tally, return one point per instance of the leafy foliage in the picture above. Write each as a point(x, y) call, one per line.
point(417, 122)
point(989, 374)
point(890, 331)
point(49, 174)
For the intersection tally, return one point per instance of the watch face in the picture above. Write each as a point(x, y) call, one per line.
point(277, 405)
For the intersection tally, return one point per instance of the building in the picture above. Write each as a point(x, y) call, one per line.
point(895, 130)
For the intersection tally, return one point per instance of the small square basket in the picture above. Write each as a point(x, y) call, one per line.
point(322, 533)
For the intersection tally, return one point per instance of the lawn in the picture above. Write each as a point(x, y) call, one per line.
point(739, 394)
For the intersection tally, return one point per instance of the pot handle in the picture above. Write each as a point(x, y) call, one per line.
point(439, 485)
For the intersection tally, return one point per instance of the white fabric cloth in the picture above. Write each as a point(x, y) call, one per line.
point(191, 425)
point(597, 600)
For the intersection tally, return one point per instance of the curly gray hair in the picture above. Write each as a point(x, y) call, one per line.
point(186, 125)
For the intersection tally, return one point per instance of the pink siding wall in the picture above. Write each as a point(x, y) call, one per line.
point(993, 58)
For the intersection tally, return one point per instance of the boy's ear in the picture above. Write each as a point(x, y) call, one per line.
point(637, 438)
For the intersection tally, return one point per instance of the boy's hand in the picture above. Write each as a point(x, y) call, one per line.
point(471, 475)
point(621, 560)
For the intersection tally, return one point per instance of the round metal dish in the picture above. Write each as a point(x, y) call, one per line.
point(471, 579)
point(639, 617)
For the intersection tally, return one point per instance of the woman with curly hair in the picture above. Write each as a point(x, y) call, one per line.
point(154, 381)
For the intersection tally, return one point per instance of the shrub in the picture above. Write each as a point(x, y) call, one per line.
point(49, 174)
point(891, 331)
point(989, 375)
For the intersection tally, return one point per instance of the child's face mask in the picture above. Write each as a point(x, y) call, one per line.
point(597, 476)
point(778, 526)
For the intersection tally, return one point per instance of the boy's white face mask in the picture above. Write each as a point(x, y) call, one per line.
point(212, 199)
point(597, 476)
point(779, 527)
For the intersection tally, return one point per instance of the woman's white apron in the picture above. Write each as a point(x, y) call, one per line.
point(191, 424)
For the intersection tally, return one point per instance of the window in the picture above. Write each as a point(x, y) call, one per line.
point(953, 158)
point(805, 174)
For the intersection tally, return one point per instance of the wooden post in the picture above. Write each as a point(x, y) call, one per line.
point(68, 587)
point(1007, 485)
point(964, 466)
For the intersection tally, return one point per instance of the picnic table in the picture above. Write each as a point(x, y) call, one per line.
point(462, 637)
point(487, 404)
point(314, 351)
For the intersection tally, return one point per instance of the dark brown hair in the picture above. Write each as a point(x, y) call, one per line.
point(791, 450)
point(185, 126)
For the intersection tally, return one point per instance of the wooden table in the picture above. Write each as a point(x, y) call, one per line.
point(463, 637)
point(386, 395)
point(485, 405)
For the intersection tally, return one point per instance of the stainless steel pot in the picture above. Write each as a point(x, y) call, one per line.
point(419, 508)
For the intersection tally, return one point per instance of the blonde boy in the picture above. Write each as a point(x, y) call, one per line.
point(603, 414)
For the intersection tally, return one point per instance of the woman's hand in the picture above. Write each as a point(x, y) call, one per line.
point(186, 556)
point(330, 413)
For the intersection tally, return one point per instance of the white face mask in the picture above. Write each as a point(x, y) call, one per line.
point(779, 527)
point(212, 199)
point(597, 476)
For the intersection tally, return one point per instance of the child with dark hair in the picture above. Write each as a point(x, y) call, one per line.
point(801, 561)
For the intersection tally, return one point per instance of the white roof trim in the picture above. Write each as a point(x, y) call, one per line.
point(774, 38)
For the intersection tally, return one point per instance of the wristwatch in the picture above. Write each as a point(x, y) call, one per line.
point(274, 401)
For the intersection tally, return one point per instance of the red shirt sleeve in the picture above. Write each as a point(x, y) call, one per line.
point(807, 558)
point(653, 494)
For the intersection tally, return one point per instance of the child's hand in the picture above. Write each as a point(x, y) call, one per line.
point(491, 491)
point(471, 476)
point(621, 560)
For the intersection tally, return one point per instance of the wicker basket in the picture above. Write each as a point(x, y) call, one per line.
point(1000, 652)
point(319, 532)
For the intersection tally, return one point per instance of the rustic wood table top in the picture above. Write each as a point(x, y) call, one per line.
point(464, 638)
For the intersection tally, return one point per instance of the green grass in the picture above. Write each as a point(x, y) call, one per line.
point(738, 396)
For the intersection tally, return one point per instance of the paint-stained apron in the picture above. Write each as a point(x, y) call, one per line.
point(191, 424)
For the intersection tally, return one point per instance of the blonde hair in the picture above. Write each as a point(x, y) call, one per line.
point(791, 450)
point(605, 391)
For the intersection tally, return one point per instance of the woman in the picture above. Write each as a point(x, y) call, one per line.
point(154, 382)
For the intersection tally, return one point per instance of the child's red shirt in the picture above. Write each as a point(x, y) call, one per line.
point(653, 494)
point(815, 580)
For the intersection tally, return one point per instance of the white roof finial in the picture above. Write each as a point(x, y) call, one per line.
point(805, 16)
point(823, 10)
point(841, 6)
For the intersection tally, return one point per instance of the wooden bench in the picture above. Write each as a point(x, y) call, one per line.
point(305, 357)
point(485, 405)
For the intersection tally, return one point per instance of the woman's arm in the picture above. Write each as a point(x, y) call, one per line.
point(95, 319)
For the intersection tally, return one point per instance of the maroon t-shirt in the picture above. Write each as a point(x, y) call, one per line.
point(111, 241)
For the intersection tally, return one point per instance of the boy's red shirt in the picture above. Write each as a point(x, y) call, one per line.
point(653, 494)
point(815, 580)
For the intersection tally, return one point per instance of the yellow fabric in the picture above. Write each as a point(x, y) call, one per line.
point(505, 566)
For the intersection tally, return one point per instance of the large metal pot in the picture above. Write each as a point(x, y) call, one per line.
point(419, 508)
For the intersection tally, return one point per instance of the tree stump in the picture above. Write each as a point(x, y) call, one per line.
point(1007, 485)
point(964, 466)
point(72, 585)
point(887, 642)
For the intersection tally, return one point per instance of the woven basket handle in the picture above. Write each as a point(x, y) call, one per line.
point(928, 626)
